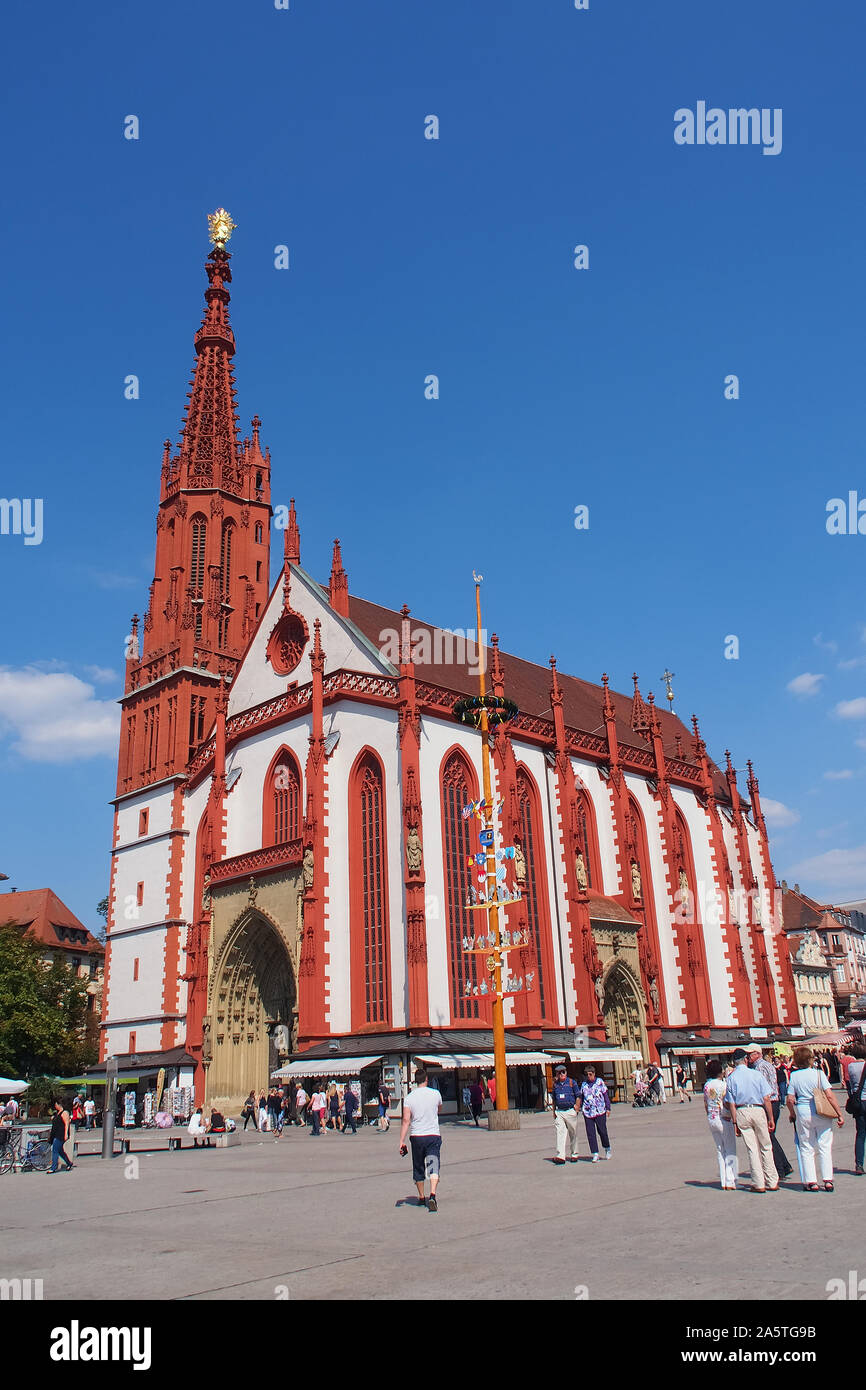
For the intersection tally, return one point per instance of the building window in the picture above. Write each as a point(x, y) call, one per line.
point(225, 581)
point(197, 708)
point(532, 841)
point(459, 788)
point(258, 532)
point(139, 894)
point(281, 818)
point(258, 570)
point(368, 870)
point(75, 962)
point(131, 1045)
point(135, 968)
point(840, 974)
point(197, 568)
point(143, 817)
point(586, 842)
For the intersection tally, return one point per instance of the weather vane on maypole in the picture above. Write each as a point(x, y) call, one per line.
point(485, 712)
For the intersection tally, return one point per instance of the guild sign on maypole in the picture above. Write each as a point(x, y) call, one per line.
point(492, 893)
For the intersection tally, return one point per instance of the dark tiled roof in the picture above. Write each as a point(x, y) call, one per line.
point(528, 685)
point(46, 919)
point(602, 909)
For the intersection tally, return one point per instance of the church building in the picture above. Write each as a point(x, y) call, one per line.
point(292, 863)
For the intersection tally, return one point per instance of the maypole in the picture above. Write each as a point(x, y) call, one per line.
point(486, 712)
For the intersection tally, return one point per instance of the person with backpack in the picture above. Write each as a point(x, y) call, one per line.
point(856, 1104)
point(654, 1081)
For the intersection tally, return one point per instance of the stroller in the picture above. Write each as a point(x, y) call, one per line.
point(643, 1095)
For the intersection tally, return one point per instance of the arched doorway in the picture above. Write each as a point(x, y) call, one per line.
point(624, 1016)
point(254, 992)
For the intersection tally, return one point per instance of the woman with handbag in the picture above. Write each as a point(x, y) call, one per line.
point(856, 1105)
point(812, 1108)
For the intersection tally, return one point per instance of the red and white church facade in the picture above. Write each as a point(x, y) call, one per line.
point(291, 864)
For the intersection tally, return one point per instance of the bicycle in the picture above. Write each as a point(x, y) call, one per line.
point(35, 1158)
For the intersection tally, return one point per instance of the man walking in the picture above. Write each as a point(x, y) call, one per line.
point(764, 1064)
point(350, 1106)
point(384, 1105)
point(421, 1122)
point(90, 1112)
point(748, 1099)
point(59, 1136)
point(566, 1107)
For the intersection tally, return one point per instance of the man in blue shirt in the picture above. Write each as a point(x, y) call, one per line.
point(566, 1108)
point(748, 1099)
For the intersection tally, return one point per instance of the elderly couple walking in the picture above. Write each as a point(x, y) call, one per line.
point(591, 1099)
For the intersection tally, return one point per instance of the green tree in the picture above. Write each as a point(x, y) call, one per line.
point(43, 1011)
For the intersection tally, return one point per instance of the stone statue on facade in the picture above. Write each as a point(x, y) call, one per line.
point(309, 867)
point(599, 993)
point(580, 873)
point(635, 881)
point(519, 864)
point(654, 996)
point(414, 851)
point(206, 1051)
point(253, 893)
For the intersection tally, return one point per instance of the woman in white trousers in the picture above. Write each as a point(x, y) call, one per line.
point(814, 1131)
point(721, 1125)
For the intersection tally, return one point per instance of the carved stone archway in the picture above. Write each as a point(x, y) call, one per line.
point(253, 992)
point(624, 1014)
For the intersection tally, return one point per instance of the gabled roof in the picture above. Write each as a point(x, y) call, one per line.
point(529, 686)
point(48, 920)
point(602, 909)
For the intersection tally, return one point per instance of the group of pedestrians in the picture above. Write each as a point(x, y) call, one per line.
point(323, 1108)
point(746, 1103)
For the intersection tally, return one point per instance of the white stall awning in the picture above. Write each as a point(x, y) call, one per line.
point(452, 1061)
point(596, 1054)
point(325, 1066)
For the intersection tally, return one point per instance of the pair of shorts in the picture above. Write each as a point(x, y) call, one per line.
point(425, 1155)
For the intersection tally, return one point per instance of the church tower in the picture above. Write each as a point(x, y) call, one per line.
point(210, 586)
point(211, 576)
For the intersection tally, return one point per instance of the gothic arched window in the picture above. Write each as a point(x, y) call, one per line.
point(459, 788)
point(368, 869)
point(586, 841)
point(197, 569)
point(281, 810)
point(535, 891)
point(225, 579)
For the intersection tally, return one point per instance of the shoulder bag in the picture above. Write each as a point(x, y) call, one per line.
point(854, 1103)
point(823, 1105)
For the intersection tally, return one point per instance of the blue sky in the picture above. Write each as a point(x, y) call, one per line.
point(408, 256)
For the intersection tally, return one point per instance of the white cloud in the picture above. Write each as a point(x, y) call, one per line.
point(777, 814)
point(102, 675)
point(860, 742)
point(825, 646)
point(851, 709)
point(53, 717)
point(841, 872)
point(807, 684)
point(842, 776)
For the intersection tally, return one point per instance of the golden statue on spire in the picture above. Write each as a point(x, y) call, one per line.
point(221, 226)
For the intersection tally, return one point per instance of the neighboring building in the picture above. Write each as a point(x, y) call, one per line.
point(813, 984)
point(842, 939)
point(44, 918)
point(292, 857)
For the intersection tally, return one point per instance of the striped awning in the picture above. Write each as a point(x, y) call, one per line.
point(325, 1066)
point(597, 1054)
point(465, 1061)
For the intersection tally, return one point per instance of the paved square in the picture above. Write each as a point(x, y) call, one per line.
point(339, 1220)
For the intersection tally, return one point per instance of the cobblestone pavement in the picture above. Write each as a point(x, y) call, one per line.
point(339, 1220)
